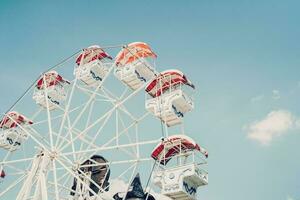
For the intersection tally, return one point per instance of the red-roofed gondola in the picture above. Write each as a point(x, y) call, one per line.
point(175, 145)
point(50, 86)
point(169, 100)
point(184, 177)
point(166, 80)
point(92, 65)
point(13, 130)
point(133, 66)
point(13, 119)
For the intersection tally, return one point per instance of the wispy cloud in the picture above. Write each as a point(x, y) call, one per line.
point(276, 94)
point(257, 98)
point(290, 198)
point(275, 124)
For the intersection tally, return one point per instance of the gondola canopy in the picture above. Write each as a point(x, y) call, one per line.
point(49, 79)
point(14, 119)
point(90, 54)
point(174, 145)
point(133, 52)
point(165, 80)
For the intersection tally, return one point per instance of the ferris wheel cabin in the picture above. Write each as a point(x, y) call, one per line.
point(49, 91)
point(179, 180)
point(170, 96)
point(133, 66)
point(92, 65)
point(13, 131)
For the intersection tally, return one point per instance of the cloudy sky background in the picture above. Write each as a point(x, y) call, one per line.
point(243, 56)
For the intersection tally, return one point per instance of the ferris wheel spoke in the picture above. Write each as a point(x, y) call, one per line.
point(90, 92)
point(82, 182)
point(67, 179)
point(124, 93)
point(66, 111)
point(38, 135)
point(15, 161)
point(71, 138)
point(89, 114)
point(91, 98)
point(48, 115)
point(63, 156)
point(106, 147)
point(92, 141)
point(62, 147)
point(127, 134)
point(30, 134)
point(114, 100)
point(113, 139)
point(131, 178)
point(84, 140)
point(62, 187)
point(120, 134)
point(126, 171)
point(12, 185)
point(59, 116)
point(36, 114)
point(110, 111)
point(88, 120)
point(82, 121)
point(14, 168)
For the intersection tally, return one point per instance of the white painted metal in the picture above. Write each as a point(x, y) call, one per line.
point(170, 107)
point(11, 139)
point(56, 95)
point(135, 74)
point(66, 132)
point(92, 73)
point(181, 182)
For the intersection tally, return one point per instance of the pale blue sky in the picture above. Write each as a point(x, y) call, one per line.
point(237, 52)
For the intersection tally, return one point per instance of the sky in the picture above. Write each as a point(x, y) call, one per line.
point(243, 56)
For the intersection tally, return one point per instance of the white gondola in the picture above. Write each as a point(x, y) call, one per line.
point(55, 158)
point(92, 66)
point(50, 87)
point(169, 97)
point(133, 66)
point(11, 134)
point(180, 180)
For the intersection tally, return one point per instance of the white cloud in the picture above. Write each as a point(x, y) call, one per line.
point(276, 94)
point(275, 124)
point(257, 98)
point(297, 123)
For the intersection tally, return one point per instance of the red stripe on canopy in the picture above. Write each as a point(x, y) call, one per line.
point(172, 146)
point(133, 52)
point(90, 54)
point(13, 119)
point(165, 80)
point(50, 78)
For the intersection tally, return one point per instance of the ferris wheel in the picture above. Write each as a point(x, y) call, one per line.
point(96, 127)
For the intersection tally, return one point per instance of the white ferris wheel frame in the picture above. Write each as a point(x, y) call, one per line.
point(51, 153)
